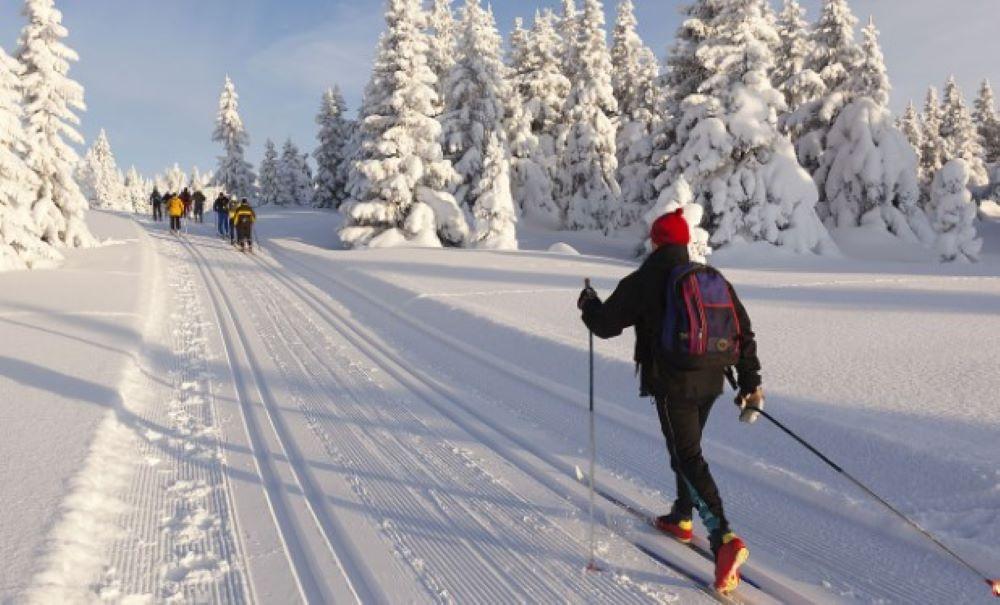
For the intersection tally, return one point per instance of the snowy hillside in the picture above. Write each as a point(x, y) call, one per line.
point(311, 424)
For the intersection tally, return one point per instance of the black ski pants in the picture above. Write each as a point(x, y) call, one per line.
point(157, 212)
point(683, 422)
point(175, 223)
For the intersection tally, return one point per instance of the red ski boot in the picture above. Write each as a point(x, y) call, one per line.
point(730, 554)
point(677, 526)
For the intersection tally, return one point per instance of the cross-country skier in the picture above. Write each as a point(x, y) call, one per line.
point(186, 198)
point(157, 201)
point(175, 208)
point(233, 205)
point(198, 199)
point(221, 208)
point(684, 397)
point(244, 219)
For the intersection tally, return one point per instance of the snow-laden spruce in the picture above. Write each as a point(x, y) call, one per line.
point(400, 176)
point(494, 213)
point(870, 174)
point(635, 78)
point(569, 31)
point(442, 45)
point(932, 149)
point(589, 165)
point(959, 133)
point(909, 125)
point(835, 57)
point(294, 177)
point(800, 84)
point(740, 167)
point(536, 121)
point(477, 100)
point(50, 99)
point(234, 174)
point(871, 78)
point(267, 176)
point(953, 213)
point(199, 180)
point(174, 179)
point(680, 197)
point(136, 192)
point(21, 244)
point(330, 155)
point(988, 122)
point(100, 180)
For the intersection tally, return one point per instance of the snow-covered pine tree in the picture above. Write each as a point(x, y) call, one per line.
point(569, 31)
point(799, 84)
point(50, 98)
point(442, 29)
point(635, 74)
point(740, 167)
point(678, 196)
point(267, 176)
point(909, 124)
point(682, 78)
point(835, 57)
point(870, 173)
point(293, 177)
point(961, 138)
point(399, 180)
point(334, 132)
point(199, 180)
point(988, 122)
point(589, 166)
point(494, 212)
point(477, 101)
point(535, 124)
point(954, 213)
point(871, 79)
point(234, 174)
point(21, 244)
point(932, 151)
point(135, 195)
point(175, 180)
point(99, 178)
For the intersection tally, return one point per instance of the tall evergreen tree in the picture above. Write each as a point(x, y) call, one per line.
point(267, 183)
point(99, 178)
point(836, 56)
point(175, 179)
point(477, 101)
point(334, 135)
point(294, 177)
point(50, 99)
point(871, 79)
point(21, 244)
point(569, 29)
point(400, 177)
point(589, 164)
point(911, 127)
point(954, 213)
point(494, 213)
point(635, 74)
point(799, 83)
point(135, 191)
point(234, 174)
point(729, 148)
point(961, 138)
point(443, 31)
point(988, 122)
point(932, 151)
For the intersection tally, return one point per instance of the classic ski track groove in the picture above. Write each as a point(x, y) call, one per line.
point(900, 591)
point(292, 534)
point(543, 588)
point(388, 359)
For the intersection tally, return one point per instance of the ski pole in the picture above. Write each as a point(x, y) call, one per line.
point(993, 584)
point(592, 563)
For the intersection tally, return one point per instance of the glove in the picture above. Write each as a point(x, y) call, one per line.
point(745, 401)
point(588, 294)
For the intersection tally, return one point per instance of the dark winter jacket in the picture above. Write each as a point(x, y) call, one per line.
point(638, 302)
point(199, 199)
point(221, 204)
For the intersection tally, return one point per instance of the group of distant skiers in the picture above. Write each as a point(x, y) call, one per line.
point(235, 218)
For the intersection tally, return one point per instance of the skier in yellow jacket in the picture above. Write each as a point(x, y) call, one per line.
point(244, 219)
point(175, 208)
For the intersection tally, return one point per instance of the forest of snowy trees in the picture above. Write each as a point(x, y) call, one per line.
point(762, 124)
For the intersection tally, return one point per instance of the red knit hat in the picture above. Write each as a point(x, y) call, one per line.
point(671, 229)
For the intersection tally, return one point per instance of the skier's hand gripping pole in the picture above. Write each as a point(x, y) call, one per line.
point(993, 584)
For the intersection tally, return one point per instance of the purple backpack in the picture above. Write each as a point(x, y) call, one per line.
point(701, 327)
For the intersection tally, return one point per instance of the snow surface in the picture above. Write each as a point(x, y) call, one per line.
point(403, 425)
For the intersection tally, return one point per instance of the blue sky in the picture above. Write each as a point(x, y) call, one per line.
point(153, 69)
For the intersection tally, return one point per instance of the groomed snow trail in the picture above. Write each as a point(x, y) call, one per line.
point(376, 491)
